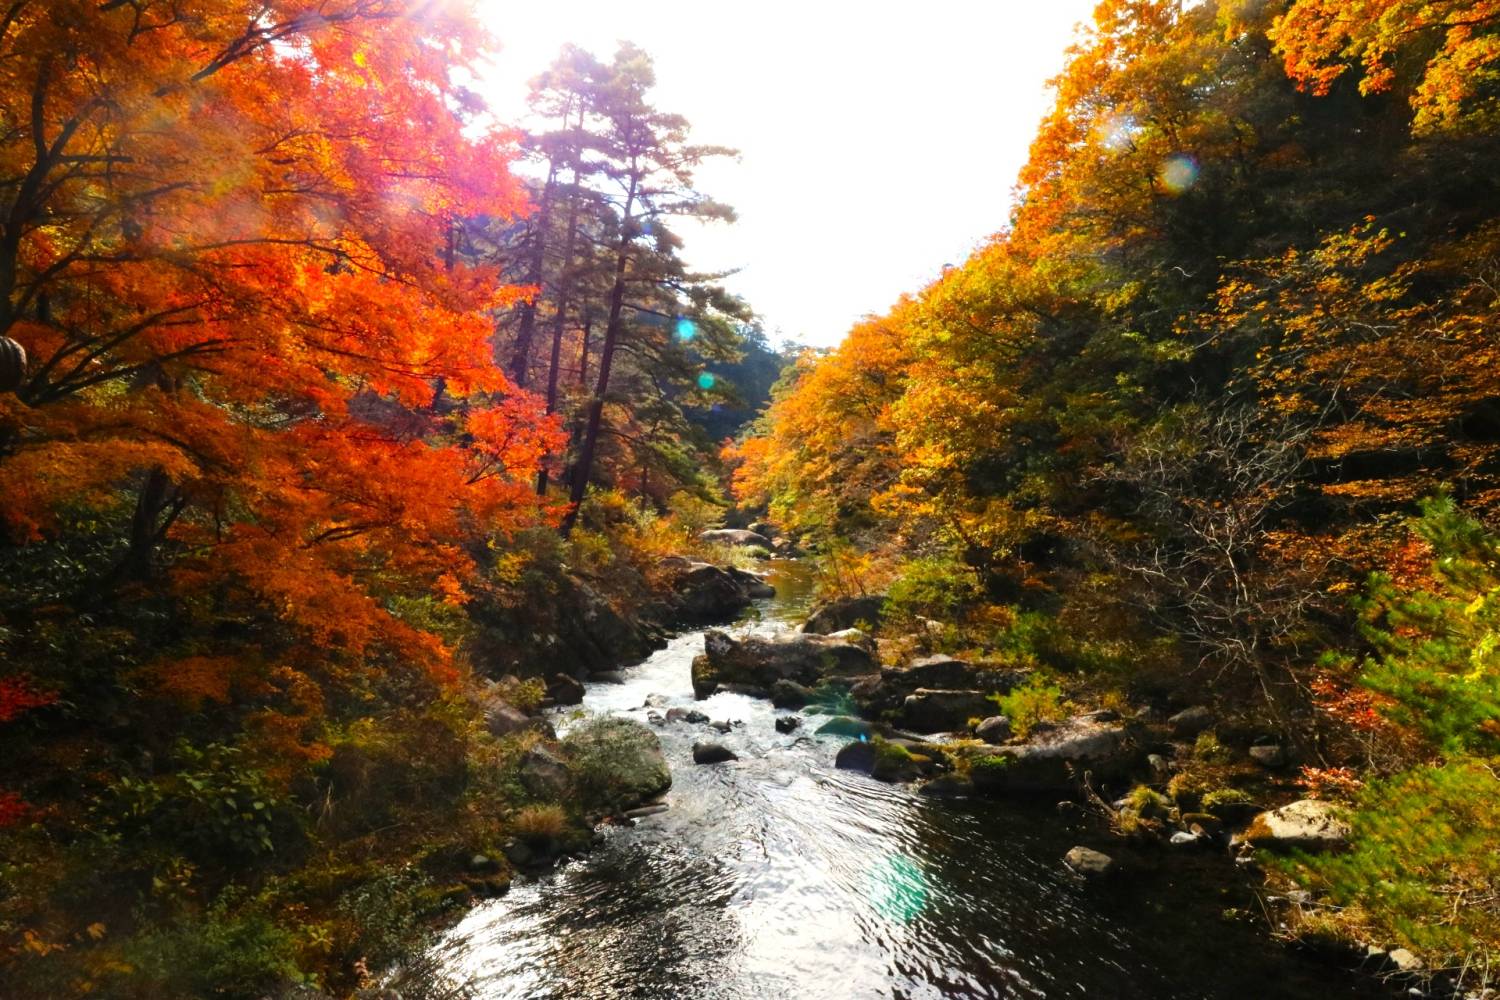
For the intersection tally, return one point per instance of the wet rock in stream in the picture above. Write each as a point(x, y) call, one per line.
point(712, 753)
point(754, 664)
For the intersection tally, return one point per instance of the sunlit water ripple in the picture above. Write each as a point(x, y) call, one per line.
point(779, 876)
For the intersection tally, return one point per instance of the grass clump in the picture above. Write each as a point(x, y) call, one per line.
point(1225, 798)
point(540, 824)
point(1208, 749)
point(1187, 789)
point(1147, 803)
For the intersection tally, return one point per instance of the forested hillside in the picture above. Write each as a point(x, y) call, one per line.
point(1216, 415)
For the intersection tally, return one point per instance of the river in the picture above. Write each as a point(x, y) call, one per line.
point(779, 876)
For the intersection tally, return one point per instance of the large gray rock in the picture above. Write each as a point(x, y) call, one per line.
point(1191, 721)
point(1304, 825)
point(854, 636)
point(755, 664)
point(565, 690)
point(940, 672)
point(704, 592)
point(785, 547)
point(846, 612)
point(995, 729)
point(936, 710)
point(736, 536)
point(790, 694)
point(890, 689)
point(946, 786)
point(545, 774)
point(856, 756)
point(1089, 863)
point(1268, 756)
point(1054, 759)
point(503, 719)
point(616, 763)
point(755, 585)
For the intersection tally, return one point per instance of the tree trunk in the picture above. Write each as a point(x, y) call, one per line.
point(521, 356)
point(583, 356)
point(584, 469)
point(147, 528)
point(560, 318)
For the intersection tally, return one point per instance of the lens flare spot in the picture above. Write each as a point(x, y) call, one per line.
point(898, 889)
point(1178, 174)
point(706, 380)
point(686, 329)
point(1115, 132)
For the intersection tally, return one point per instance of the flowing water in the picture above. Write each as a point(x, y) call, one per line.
point(779, 876)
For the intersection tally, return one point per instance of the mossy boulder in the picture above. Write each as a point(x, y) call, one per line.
point(617, 764)
point(1054, 758)
point(894, 763)
point(990, 773)
point(844, 725)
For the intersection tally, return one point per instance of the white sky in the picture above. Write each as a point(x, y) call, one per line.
point(878, 140)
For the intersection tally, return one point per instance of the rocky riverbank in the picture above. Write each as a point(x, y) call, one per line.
point(1175, 780)
point(557, 781)
point(587, 628)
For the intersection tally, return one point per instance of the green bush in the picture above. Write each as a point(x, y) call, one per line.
point(1438, 646)
point(1038, 700)
point(526, 695)
point(933, 587)
point(221, 954)
point(694, 513)
point(215, 808)
point(1423, 864)
point(380, 919)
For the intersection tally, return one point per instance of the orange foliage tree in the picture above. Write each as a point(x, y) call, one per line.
point(258, 375)
point(1445, 56)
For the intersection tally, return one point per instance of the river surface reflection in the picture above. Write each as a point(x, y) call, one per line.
point(779, 876)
